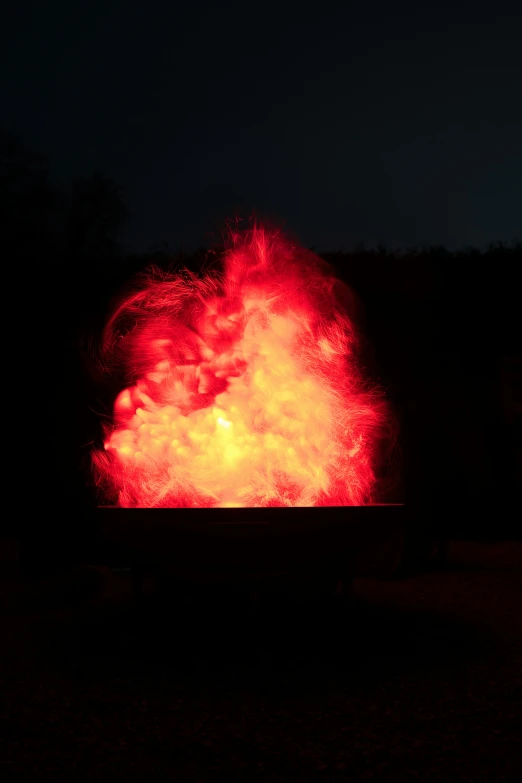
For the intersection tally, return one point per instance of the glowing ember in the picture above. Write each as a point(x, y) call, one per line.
point(244, 388)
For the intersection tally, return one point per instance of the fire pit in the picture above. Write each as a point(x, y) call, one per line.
point(247, 438)
point(252, 544)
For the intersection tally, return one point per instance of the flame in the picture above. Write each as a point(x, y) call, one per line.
point(244, 388)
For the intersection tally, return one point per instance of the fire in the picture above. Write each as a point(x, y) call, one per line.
point(244, 389)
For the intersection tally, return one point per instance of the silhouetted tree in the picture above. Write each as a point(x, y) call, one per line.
point(29, 204)
point(96, 214)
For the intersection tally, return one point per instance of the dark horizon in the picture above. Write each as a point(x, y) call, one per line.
point(359, 125)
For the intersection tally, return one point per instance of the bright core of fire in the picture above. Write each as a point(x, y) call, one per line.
point(243, 388)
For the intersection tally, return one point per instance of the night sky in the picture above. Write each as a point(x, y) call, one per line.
point(379, 122)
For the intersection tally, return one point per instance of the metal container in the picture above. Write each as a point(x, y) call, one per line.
point(209, 545)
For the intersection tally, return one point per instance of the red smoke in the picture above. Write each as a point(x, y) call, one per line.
point(244, 389)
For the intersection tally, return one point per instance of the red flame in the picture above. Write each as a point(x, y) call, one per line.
point(245, 390)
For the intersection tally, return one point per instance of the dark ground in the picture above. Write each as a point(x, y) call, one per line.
point(421, 680)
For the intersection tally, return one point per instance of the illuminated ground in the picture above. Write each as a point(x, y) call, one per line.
point(423, 682)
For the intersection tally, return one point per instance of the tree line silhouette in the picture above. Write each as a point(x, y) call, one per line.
point(441, 328)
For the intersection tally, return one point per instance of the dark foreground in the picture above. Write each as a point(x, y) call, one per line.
point(420, 680)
